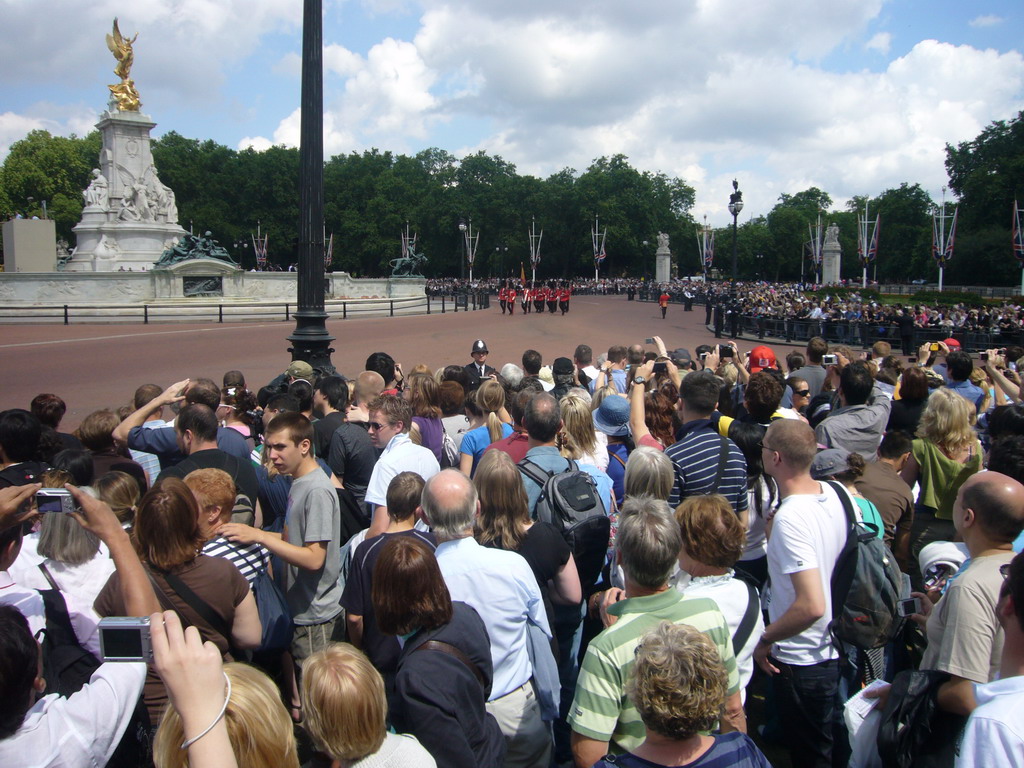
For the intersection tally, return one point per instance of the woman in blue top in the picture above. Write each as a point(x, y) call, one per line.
point(488, 423)
point(612, 418)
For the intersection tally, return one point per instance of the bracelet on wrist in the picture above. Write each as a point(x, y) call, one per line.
point(227, 697)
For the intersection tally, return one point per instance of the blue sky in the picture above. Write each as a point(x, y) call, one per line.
point(853, 96)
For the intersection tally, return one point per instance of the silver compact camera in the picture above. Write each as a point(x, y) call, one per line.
point(827, 360)
point(57, 500)
point(126, 638)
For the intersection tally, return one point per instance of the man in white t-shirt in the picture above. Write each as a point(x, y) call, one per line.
point(390, 419)
point(808, 534)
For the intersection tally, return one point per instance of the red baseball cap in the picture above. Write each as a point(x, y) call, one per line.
point(761, 358)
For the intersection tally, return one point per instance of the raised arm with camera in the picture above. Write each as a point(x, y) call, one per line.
point(994, 365)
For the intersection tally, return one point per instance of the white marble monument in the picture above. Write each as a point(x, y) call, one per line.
point(130, 217)
point(831, 256)
point(663, 260)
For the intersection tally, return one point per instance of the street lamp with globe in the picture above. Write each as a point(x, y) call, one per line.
point(735, 206)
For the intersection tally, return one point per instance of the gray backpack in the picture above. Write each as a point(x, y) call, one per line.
point(570, 501)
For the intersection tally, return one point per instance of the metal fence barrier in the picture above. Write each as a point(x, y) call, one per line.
point(196, 311)
point(864, 334)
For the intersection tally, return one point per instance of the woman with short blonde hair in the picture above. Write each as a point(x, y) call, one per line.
point(260, 731)
point(346, 712)
point(678, 685)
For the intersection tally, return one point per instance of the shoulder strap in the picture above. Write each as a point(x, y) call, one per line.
point(749, 618)
point(49, 576)
point(723, 459)
point(197, 604)
point(538, 474)
point(453, 651)
point(617, 458)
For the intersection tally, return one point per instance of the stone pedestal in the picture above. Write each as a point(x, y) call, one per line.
point(30, 245)
point(130, 217)
point(830, 260)
point(663, 265)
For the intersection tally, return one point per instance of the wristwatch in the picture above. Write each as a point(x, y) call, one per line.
point(639, 380)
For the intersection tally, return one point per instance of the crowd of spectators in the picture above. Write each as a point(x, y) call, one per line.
point(586, 560)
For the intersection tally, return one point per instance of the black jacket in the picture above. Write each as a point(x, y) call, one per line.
point(440, 701)
point(473, 376)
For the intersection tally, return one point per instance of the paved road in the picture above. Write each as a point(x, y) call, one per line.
point(99, 366)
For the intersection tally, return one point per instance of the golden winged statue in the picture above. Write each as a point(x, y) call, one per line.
point(124, 92)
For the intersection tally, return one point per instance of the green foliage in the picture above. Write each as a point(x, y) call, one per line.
point(987, 174)
point(51, 168)
point(947, 298)
point(866, 294)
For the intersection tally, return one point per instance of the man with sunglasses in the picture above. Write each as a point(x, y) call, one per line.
point(390, 419)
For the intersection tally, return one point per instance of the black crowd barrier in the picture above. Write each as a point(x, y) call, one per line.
point(865, 334)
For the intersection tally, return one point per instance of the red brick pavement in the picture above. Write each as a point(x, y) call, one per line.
point(99, 366)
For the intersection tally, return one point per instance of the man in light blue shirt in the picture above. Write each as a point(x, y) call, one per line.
point(615, 367)
point(501, 587)
point(958, 368)
point(542, 419)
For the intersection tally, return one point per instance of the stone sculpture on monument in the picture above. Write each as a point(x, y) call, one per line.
point(831, 255)
point(129, 214)
point(663, 260)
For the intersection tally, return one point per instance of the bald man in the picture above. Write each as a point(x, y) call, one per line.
point(502, 588)
point(963, 631)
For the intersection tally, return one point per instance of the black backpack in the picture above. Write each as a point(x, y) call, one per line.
point(866, 585)
point(570, 501)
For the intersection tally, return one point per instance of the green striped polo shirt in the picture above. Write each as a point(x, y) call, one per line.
point(601, 709)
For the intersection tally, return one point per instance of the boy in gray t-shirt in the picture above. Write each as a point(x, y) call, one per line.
point(309, 545)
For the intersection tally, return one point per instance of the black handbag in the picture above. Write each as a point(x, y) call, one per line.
point(913, 730)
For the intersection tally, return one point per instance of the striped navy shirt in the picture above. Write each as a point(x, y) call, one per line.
point(695, 461)
point(249, 559)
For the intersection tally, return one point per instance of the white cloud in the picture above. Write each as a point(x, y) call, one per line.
point(43, 117)
point(880, 42)
point(989, 20)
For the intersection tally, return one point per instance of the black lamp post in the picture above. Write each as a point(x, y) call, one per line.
point(462, 256)
point(501, 256)
point(735, 206)
point(310, 340)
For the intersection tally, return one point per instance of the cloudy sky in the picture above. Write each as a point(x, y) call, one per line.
point(853, 96)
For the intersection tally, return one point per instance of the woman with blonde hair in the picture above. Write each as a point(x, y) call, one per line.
point(504, 523)
point(488, 423)
point(259, 729)
point(944, 454)
point(346, 714)
point(121, 492)
point(578, 438)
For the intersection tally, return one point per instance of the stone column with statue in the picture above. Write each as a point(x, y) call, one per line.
point(831, 256)
point(129, 214)
point(663, 260)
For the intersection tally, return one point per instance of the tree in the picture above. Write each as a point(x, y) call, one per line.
point(987, 174)
point(51, 168)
